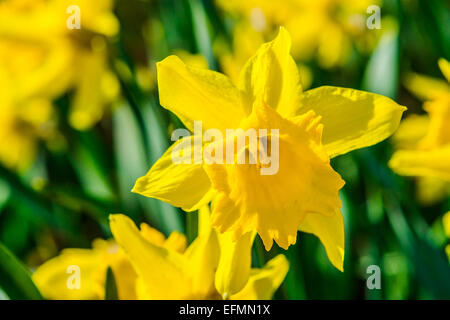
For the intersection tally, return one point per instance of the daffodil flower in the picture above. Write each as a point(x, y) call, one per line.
point(146, 266)
point(424, 140)
point(314, 126)
point(212, 267)
point(53, 276)
point(57, 277)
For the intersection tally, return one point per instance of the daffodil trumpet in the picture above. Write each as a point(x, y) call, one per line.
point(251, 145)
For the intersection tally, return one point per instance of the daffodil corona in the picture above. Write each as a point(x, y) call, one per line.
point(314, 126)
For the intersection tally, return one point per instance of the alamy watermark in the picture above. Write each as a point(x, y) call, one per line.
point(374, 280)
point(74, 20)
point(374, 20)
point(74, 280)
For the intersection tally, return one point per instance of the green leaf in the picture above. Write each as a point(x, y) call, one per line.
point(110, 286)
point(201, 32)
point(42, 209)
point(87, 160)
point(15, 279)
point(132, 163)
point(5, 192)
point(130, 155)
point(381, 74)
point(430, 264)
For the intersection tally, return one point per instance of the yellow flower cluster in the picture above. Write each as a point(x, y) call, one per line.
point(325, 29)
point(41, 59)
point(146, 265)
point(313, 126)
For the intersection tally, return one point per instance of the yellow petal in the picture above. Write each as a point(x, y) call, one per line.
point(152, 235)
point(181, 185)
point(235, 262)
point(431, 190)
point(176, 241)
point(351, 119)
point(264, 282)
point(330, 231)
point(411, 131)
point(56, 277)
point(446, 223)
point(438, 133)
point(204, 223)
point(272, 75)
point(203, 256)
point(88, 104)
point(444, 65)
point(424, 87)
point(430, 163)
point(124, 275)
point(161, 270)
point(333, 46)
point(196, 94)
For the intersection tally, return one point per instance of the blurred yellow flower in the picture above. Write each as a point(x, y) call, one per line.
point(303, 194)
point(41, 58)
point(326, 29)
point(146, 265)
point(424, 141)
point(53, 277)
point(22, 123)
point(210, 262)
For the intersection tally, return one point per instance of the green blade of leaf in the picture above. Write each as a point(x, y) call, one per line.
point(430, 264)
point(15, 279)
point(201, 32)
point(111, 286)
point(381, 74)
point(91, 169)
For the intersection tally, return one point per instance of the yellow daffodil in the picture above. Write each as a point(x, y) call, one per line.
point(314, 126)
point(424, 140)
point(146, 265)
point(41, 59)
point(323, 28)
point(212, 267)
point(52, 277)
